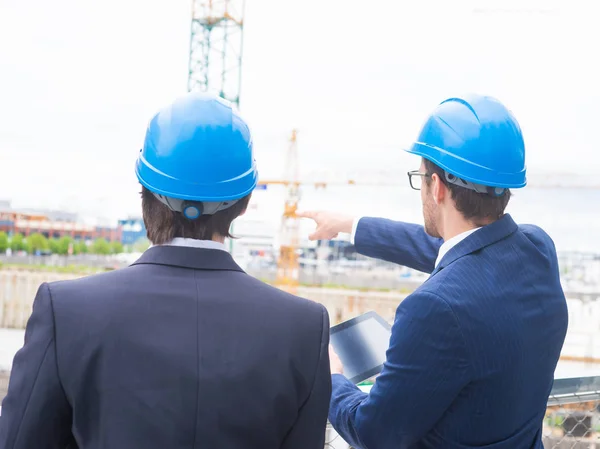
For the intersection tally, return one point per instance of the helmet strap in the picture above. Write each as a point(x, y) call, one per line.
point(479, 188)
point(193, 210)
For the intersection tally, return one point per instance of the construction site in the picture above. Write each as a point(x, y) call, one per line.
point(329, 272)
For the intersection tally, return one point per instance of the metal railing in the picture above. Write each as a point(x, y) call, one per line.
point(573, 414)
point(572, 418)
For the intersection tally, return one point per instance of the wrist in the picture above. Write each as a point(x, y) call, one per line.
point(347, 225)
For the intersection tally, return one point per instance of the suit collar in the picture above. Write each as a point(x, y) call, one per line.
point(186, 257)
point(485, 236)
point(451, 243)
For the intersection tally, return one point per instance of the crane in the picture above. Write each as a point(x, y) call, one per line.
point(215, 54)
point(216, 42)
point(287, 263)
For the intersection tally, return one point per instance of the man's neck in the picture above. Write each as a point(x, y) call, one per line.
point(456, 225)
point(457, 231)
point(218, 238)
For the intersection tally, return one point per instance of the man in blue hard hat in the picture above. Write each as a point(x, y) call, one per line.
point(473, 350)
point(182, 349)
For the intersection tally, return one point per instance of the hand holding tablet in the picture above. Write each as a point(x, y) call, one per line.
point(361, 344)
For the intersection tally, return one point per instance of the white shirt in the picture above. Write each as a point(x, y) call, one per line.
point(451, 243)
point(446, 246)
point(195, 243)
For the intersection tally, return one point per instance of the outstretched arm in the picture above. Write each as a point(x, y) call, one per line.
point(406, 244)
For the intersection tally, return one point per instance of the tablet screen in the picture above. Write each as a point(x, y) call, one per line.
point(361, 344)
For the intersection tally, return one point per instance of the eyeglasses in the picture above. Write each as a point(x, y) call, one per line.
point(415, 178)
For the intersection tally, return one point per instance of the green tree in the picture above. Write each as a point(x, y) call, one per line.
point(4, 244)
point(53, 245)
point(116, 247)
point(63, 245)
point(141, 245)
point(17, 243)
point(80, 247)
point(101, 246)
point(36, 242)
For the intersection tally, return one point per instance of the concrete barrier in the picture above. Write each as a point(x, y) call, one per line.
point(18, 290)
point(4, 376)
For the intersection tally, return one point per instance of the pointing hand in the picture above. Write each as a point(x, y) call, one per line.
point(329, 224)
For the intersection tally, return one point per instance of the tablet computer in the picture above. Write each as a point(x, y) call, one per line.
point(361, 344)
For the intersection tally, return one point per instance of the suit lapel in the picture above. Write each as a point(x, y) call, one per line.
point(481, 238)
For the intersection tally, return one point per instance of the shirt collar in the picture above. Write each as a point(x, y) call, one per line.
point(195, 243)
point(450, 243)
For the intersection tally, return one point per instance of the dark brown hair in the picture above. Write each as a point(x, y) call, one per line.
point(163, 224)
point(472, 205)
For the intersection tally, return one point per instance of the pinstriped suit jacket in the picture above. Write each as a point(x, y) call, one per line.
point(473, 351)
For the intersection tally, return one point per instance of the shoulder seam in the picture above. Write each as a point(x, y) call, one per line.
point(197, 358)
point(316, 369)
point(60, 382)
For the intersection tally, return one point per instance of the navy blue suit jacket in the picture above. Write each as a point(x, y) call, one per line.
point(473, 350)
point(181, 350)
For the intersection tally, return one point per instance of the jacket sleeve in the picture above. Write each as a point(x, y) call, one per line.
point(309, 430)
point(35, 412)
point(402, 243)
point(426, 368)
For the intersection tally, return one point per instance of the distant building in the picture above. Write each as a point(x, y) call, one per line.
point(54, 215)
point(132, 229)
point(108, 233)
point(52, 224)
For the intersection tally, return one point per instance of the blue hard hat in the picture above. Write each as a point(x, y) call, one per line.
point(477, 139)
point(198, 149)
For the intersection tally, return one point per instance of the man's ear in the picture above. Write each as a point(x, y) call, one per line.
point(439, 190)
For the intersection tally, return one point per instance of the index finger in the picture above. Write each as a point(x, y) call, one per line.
point(306, 214)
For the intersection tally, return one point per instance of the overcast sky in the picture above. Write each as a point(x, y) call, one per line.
point(80, 79)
